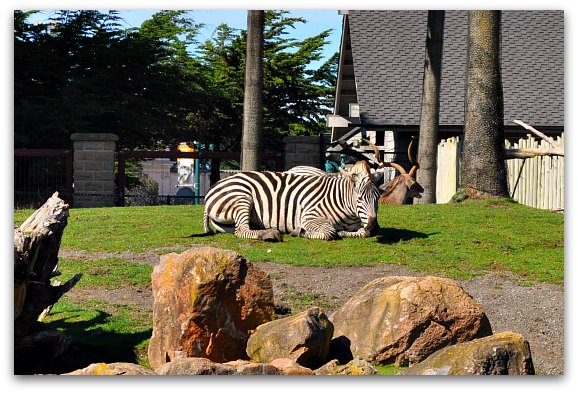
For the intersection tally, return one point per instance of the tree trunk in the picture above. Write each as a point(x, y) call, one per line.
point(483, 169)
point(430, 107)
point(253, 101)
point(36, 245)
point(215, 175)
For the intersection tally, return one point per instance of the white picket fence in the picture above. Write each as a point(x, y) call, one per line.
point(537, 182)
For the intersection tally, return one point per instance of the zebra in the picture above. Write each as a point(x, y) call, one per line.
point(309, 171)
point(265, 205)
point(397, 191)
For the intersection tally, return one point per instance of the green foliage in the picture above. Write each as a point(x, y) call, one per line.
point(155, 85)
point(296, 99)
point(388, 369)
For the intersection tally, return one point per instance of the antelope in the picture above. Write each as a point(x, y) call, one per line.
point(403, 186)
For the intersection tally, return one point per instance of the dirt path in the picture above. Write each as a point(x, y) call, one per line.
point(536, 312)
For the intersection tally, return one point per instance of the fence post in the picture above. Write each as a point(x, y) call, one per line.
point(94, 166)
point(303, 150)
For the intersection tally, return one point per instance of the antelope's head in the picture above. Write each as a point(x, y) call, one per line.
point(403, 186)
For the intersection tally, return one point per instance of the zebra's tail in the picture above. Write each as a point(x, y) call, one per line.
point(208, 228)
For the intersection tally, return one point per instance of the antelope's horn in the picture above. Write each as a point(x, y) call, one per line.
point(412, 158)
point(375, 150)
point(396, 166)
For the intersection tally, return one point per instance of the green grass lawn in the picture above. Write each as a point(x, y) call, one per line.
point(458, 241)
point(454, 240)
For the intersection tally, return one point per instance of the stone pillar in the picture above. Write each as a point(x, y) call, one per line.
point(94, 167)
point(301, 150)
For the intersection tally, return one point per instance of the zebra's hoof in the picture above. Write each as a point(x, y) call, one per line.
point(298, 232)
point(271, 235)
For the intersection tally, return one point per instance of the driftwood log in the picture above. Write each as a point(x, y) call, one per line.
point(36, 245)
point(555, 150)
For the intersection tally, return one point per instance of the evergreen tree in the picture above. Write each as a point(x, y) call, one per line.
point(155, 86)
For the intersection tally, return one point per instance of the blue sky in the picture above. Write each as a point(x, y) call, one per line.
point(317, 21)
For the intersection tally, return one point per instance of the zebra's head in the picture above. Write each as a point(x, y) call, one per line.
point(367, 195)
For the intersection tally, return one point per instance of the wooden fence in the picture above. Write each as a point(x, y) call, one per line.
point(537, 182)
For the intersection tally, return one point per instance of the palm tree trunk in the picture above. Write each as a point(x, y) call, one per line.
point(253, 101)
point(483, 170)
point(430, 107)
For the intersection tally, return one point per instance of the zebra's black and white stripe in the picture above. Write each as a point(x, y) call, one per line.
point(256, 204)
point(309, 171)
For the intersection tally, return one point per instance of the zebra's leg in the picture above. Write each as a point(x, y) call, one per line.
point(317, 228)
point(243, 229)
point(371, 229)
point(361, 232)
point(298, 232)
point(206, 222)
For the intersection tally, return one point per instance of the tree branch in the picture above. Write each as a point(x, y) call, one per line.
point(36, 245)
point(557, 149)
point(528, 127)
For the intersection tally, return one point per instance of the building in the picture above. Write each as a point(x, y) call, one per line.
point(380, 75)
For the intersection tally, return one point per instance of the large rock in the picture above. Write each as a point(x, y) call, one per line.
point(304, 337)
point(194, 366)
point(245, 367)
point(288, 366)
point(504, 353)
point(119, 368)
point(353, 367)
point(206, 303)
point(403, 320)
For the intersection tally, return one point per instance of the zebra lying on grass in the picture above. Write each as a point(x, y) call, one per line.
point(264, 205)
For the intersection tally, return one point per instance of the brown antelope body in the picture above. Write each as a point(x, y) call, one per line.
point(404, 186)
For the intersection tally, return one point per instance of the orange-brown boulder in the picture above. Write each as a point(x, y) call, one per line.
point(505, 353)
point(402, 320)
point(304, 337)
point(206, 303)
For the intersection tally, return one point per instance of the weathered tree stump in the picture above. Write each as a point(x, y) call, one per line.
point(36, 245)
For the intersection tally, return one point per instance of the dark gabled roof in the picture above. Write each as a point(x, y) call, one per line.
point(388, 50)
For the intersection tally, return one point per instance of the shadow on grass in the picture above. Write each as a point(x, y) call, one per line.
point(394, 235)
point(195, 235)
point(67, 344)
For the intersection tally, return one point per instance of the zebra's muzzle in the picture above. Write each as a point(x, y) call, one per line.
point(372, 226)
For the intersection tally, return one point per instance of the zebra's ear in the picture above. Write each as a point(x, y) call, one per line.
point(346, 174)
point(355, 178)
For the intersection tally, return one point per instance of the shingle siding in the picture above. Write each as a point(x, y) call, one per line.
point(388, 62)
point(533, 67)
point(389, 49)
point(452, 88)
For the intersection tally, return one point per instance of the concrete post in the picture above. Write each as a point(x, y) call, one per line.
point(301, 150)
point(94, 169)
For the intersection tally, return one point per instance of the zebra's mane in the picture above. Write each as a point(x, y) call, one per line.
point(360, 167)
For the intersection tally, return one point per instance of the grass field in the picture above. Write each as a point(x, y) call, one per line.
point(455, 240)
point(458, 241)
